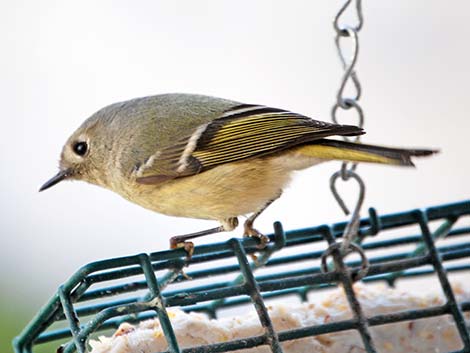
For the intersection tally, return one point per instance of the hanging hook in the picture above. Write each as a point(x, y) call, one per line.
point(348, 66)
point(365, 265)
point(349, 103)
point(347, 170)
point(346, 174)
point(340, 29)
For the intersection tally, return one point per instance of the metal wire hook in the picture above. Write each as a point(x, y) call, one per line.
point(346, 174)
point(349, 103)
point(348, 66)
point(350, 31)
point(340, 29)
point(344, 170)
point(365, 265)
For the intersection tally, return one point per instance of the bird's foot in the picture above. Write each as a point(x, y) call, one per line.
point(253, 233)
point(181, 241)
point(188, 246)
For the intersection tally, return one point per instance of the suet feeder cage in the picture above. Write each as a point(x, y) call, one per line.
point(100, 296)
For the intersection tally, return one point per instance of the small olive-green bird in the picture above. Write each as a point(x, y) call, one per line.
point(203, 157)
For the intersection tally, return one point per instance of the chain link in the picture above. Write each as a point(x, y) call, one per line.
point(360, 18)
point(348, 170)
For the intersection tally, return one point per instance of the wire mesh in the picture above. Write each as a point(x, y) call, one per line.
point(92, 301)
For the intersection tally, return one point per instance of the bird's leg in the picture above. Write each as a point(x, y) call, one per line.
point(180, 241)
point(252, 232)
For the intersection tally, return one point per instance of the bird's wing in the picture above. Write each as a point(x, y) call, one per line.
point(243, 132)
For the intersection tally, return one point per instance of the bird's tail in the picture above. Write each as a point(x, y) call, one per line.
point(358, 152)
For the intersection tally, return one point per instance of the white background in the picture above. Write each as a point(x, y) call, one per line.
point(63, 60)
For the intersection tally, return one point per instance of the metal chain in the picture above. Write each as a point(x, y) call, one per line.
point(348, 170)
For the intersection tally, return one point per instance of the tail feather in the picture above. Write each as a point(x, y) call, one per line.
point(358, 152)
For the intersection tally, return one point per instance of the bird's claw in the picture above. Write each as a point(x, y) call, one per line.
point(251, 232)
point(188, 246)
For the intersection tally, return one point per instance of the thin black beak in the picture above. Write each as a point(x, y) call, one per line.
point(63, 174)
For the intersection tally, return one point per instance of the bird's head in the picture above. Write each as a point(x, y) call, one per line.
point(85, 155)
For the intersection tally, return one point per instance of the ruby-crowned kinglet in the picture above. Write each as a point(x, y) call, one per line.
point(203, 157)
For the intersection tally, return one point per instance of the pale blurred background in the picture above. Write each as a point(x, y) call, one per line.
point(62, 60)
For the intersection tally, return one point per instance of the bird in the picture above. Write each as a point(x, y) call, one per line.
point(197, 156)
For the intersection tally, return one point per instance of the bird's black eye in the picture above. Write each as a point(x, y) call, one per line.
point(80, 148)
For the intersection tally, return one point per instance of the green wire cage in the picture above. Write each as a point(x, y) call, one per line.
point(103, 294)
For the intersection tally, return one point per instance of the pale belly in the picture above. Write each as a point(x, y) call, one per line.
point(226, 191)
